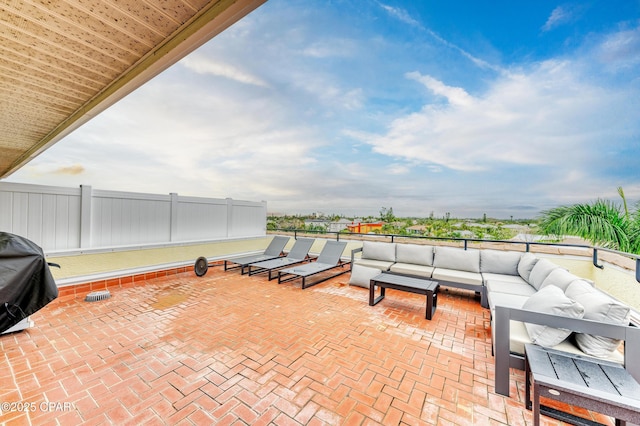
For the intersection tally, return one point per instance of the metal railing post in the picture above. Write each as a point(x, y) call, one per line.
point(595, 259)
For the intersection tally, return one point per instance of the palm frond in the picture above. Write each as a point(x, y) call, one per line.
point(602, 223)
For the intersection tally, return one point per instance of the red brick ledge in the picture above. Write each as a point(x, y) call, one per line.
point(125, 281)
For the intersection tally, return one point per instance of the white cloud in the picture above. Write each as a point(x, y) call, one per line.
point(542, 116)
point(400, 14)
point(559, 16)
point(203, 65)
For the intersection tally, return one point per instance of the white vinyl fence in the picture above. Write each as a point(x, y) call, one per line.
point(58, 218)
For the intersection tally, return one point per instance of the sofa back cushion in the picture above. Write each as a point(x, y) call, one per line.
point(559, 277)
point(600, 307)
point(540, 271)
point(526, 264)
point(415, 254)
point(499, 262)
point(551, 300)
point(457, 258)
point(379, 251)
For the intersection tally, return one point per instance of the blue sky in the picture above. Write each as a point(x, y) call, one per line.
point(469, 107)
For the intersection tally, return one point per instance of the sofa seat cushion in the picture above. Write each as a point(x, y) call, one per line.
point(456, 276)
point(540, 271)
point(379, 251)
point(560, 278)
point(382, 265)
point(499, 262)
point(519, 337)
point(415, 254)
point(486, 276)
point(551, 300)
point(362, 275)
point(522, 288)
point(412, 269)
point(505, 299)
point(457, 259)
point(598, 307)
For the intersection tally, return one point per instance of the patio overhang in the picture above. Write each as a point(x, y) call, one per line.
point(64, 62)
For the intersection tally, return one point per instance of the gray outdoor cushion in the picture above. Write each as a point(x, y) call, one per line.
point(496, 286)
point(456, 276)
point(379, 251)
point(559, 277)
point(415, 254)
point(382, 265)
point(519, 337)
point(598, 307)
point(505, 299)
point(499, 262)
point(487, 276)
point(457, 258)
point(540, 271)
point(551, 300)
point(412, 269)
point(361, 275)
point(526, 264)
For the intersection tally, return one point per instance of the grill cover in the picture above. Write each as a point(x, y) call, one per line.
point(26, 284)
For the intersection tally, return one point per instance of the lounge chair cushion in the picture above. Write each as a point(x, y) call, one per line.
point(361, 275)
point(412, 269)
point(559, 277)
point(379, 251)
point(499, 262)
point(457, 259)
point(540, 271)
point(551, 300)
point(598, 307)
point(414, 254)
point(526, 264)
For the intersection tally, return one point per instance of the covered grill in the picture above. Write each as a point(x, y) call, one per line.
point(26, 284)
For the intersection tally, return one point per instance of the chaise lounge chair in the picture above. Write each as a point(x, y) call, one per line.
point(273, 250)
point(329, 259)
point(299, 253)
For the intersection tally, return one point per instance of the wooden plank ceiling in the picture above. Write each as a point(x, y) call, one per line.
point(64, 61)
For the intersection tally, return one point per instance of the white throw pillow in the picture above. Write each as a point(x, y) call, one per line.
point(551, 300)
point(600, 307)
point(361, 275)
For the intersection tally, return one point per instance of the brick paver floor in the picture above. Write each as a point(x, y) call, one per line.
point(231, 349)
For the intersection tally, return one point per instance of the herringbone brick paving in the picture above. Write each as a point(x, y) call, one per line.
point(231, 349)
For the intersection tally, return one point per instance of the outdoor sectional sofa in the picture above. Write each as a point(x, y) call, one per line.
point(532, 300)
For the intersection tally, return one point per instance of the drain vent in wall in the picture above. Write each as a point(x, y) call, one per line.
point(97, 295)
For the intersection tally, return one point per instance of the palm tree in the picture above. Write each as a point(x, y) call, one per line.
point(603, 223)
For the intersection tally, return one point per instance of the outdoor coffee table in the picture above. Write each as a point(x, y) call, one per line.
point(408, 283)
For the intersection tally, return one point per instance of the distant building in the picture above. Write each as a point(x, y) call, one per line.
point(417, 229)
point(338, 225)
point(364, 228)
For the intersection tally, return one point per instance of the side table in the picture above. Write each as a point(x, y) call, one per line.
point(598, 385)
